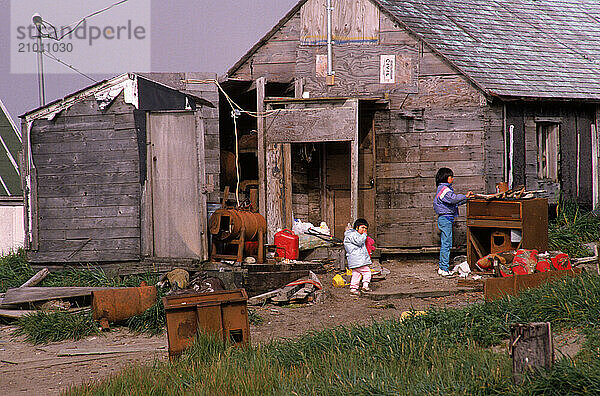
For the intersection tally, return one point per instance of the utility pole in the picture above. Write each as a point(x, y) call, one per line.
point(37, 21)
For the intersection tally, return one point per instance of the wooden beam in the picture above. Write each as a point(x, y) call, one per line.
point(354, 167)
point(274, 190)
point(595, 153)
point(202, 188)
point(287, 178)
point(260, 128)
point(37, 278)
point(22, 295)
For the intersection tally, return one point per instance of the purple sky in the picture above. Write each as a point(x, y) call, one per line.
point(187, 35)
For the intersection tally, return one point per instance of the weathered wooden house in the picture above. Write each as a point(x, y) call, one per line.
point(121, 171)
point(11, 196)
point(497, 90)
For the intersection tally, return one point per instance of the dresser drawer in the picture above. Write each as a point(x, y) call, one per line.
point(502, 210)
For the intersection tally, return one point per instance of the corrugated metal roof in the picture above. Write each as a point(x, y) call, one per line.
point(10, 144)
point(513, 48)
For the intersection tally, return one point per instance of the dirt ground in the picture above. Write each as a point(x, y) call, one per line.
point(48, 369)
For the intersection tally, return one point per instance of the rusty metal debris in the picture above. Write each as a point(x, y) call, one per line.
point(117, 305)
point(223, 313)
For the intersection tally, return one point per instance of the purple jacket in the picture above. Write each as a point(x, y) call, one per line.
point(446, 201)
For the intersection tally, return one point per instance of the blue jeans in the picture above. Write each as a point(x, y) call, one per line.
point(445, 226)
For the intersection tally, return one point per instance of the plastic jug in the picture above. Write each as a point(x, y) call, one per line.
point(287, 244)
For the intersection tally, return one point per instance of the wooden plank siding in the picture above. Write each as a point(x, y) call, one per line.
point(574, 120)
point(276, 59)
point(355, 21)
point(88, 184)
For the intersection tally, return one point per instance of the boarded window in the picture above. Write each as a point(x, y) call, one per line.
point(547, 150)
point(353, 21)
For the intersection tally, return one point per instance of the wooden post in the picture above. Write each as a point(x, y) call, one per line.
point(511, 166)
point(531, 348)
point(202, 188)
point(287, 178)
point(274, 189)
point(25, 183)
point(260, 129)
point(595, 153)
point(354, 169)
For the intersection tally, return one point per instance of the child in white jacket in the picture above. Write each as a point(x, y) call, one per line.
point(358, 256)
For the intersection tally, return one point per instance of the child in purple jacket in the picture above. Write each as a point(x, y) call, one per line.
point(446, 204)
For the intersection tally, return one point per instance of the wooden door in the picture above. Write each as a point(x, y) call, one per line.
point(338, 184)
point(178, 208)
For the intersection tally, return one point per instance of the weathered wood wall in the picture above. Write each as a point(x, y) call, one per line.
point(207, 118)
point(355, 21)
point(575, 121)
point(276, 59)
point(88, 188)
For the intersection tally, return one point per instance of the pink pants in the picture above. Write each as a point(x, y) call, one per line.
point(357, 273)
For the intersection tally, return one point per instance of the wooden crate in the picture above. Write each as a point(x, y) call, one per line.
point(496, 288)
point(223, 313)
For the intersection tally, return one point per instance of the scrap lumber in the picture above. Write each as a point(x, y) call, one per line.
point(65, 352)
point(15, 313)
point(37, 278)
point(303, 293)
point(262, 298)
point(286, 292)
point(477, 285)
point(23, 295)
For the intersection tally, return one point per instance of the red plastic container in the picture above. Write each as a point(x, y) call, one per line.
point(561, 262)
point(287, 244)
point(543, 266)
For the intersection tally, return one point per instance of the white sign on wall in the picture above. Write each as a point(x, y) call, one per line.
point(387, 73)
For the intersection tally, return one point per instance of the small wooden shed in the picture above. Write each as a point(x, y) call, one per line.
point(117, 173)
point(497, 90)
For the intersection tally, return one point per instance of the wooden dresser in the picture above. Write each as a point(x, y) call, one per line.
point(497, 225)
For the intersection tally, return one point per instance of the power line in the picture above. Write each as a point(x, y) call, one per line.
point(51, 56)
point(57, 38)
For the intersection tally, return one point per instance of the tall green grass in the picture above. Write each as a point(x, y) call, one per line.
point(445, 352)
point(572, 228)
point(15, 270)
point(41, 327)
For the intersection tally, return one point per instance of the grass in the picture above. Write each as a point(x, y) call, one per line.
point(152, 321)
point(572, 228)
point(43, 327)
point(446, 352)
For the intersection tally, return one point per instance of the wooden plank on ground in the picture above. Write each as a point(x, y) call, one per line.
point(14, 313)
point(22, 295)
point(262, 298)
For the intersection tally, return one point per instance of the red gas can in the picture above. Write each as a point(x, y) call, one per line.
point(287, 244)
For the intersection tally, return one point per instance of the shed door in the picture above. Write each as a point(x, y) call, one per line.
point(178, 209)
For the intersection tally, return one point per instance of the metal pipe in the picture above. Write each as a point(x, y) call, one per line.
point(40, 61)
point(329, 41)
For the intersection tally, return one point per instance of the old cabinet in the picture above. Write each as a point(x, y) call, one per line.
point(495, 225)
